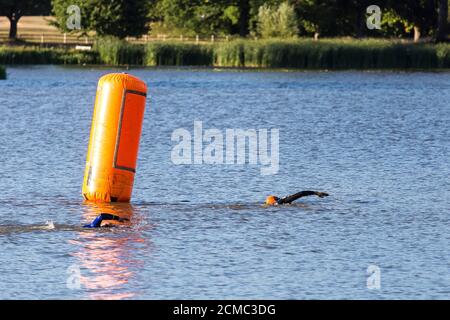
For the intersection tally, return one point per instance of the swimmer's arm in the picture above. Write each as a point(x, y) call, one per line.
point(103, 217)
point(301, 194)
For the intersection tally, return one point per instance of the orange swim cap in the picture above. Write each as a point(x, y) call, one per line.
point(271, 200)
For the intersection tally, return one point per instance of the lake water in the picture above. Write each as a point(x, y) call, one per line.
point(377, 142)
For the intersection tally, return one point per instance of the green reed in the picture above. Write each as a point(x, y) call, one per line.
point(178, 54)
point(42, 55)
point(330, 54)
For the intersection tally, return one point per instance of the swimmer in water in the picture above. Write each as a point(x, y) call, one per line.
point(270, 201)
point(274, 200)
point(97, 223)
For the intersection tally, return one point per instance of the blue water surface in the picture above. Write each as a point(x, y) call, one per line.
point(377, 142)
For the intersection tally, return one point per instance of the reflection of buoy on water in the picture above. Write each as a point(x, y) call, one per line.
point(108, 262)
point(114, 142)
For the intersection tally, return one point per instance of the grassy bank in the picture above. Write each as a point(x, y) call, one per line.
point(2, 73)
point(38, 55)
point(329, 54)
point(332, 54)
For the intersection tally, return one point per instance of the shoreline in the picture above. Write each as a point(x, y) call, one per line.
point(188, 68)
point(325, 55)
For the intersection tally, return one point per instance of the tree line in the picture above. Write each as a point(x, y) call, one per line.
point(244, 18)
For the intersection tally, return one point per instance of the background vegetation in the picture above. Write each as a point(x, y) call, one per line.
point(272, 33)
point(273, 53)
point(255, 18)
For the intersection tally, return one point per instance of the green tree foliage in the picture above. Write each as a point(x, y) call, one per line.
point(394, 25)
point(15, 9)
point(204, 17)
point(119, 18)
point(422, 14)
point(254, 6)
point(334, 17)
point(278, 21)
point(268, 18)
point(318, 17)
point(315, 17)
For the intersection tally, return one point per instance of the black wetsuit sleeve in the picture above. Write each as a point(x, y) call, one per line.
point(295, 196)
point(108, 216)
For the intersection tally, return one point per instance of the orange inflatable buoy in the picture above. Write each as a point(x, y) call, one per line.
point(114, 142)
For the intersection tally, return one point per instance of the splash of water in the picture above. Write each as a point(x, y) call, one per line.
point(49, 225)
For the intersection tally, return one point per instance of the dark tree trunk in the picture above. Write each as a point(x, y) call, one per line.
point(361, 7)
point(13, 20)
point(244, 16)
point(442, 20)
